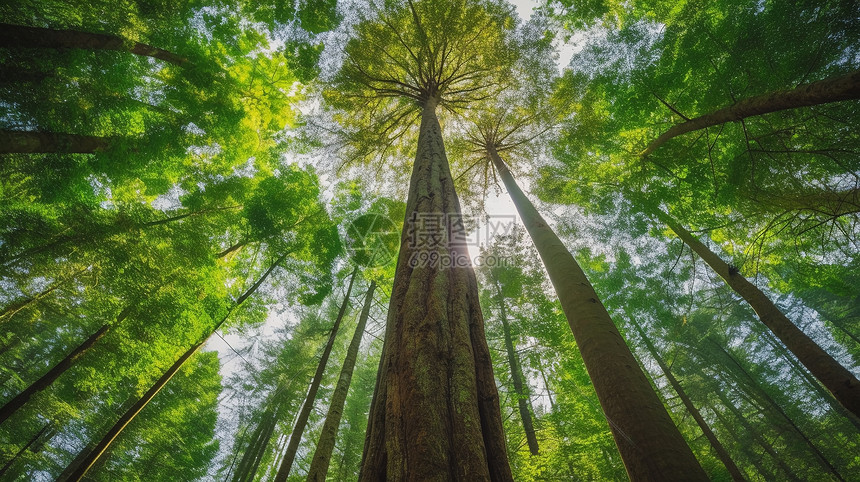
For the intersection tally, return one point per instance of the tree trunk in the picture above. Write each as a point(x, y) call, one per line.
point(813, 383)
point(256, 448)
point(757, 436)
point(834, 89)
point(842, 383)
point(302, 420)
point(19, 36)
point(721, 451)
point(435, 412)
point(745, 448)
point(48, 378)
point(50, 142)
point(545, 382)
point(328, 436)
point(649, 442)
point(770, 402)
point(14, 307)
point(517, 377)
point(94, 454)
point(29, 443)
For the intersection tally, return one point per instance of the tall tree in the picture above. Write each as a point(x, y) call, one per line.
point(435, 410)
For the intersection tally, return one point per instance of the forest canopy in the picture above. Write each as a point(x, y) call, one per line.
point(429, 239)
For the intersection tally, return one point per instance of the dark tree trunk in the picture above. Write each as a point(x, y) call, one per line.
point(721, 451)
point(517, 377)
point(29, 444)
point(92, 453)
point(649, 442)
point(844, 386)
point(302, 420)
point(435, 412)
point(22, 37)
point(835, 89)
point(328, 436)
point(50, 142)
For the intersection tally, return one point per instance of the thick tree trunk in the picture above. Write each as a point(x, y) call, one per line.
point(302, 420)
point(50, 142)
point(844, 386)
point(835, 89)
point(517, 377)
point(435, 413)
point(328, 436)
point(94, 452)
point(721, 451)
point(20, 36)
point(649, 442)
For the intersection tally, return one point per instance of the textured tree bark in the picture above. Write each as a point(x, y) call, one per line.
point(721, 451)
point(328, 436)
point(302, 420)
point(834, 89)
point(649, 442)
point(844, 386)
point(435, 412)
point(517, 377)
point(20, 36)
point(50, 142)
point(92, 453)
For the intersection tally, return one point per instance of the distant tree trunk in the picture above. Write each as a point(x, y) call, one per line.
point(48, 378)
point(749, 430)
point(844, 386)
point(29, 444)
point(328, 436)
point(20, 36)
point(721, 451)
point(771, 403)
point(745, 448)
point(24, 142)
point(545, 383)
point(517, 377)
point(21, 76)
point(16, 306)
point(435, 411)
point(302, 420)
point(256, 448)
point(92, 455)
point(827, 202)
point(649, 442)
point(834, 89)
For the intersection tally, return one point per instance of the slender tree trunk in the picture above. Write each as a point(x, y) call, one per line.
point(813, 383)
point(256, 448)
point(844, 386)
point(745, 448)
point(92, 455)
point(17, 75)
point(649, 442)
point(770, 402)
point(302, 420)
point(48, 378)
point(435, 412)
point(757, 436)
point(32, 440)
point(834, 89)
point(50, 142)
point(328, 436)
point(517, 377)
point(718, 447)
point(545, 383)
point(19, 36)
point(16, 306)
